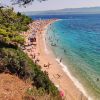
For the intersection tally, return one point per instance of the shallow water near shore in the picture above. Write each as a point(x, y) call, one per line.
point(77, 43)
point(76, 40)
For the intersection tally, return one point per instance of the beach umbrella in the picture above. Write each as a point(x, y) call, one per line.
point(62, 93)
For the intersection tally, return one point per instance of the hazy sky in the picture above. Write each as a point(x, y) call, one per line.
point(56, 4)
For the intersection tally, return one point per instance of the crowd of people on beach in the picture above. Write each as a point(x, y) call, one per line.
point(32, 49)
point(36, 27)
point(31, 42)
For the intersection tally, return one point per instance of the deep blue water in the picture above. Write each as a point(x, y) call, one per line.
point(75, 16)
point(78, 43)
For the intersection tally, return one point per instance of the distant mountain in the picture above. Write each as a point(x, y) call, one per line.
point(87, 10)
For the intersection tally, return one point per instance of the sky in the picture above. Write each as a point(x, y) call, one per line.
point(54, 5)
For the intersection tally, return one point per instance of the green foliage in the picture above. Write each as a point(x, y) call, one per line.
point(14, 60)
point(11, 24)
point(18, 14)
point(36, 92)
point(18, 63)
point(39, 94)
point(18, 39)
point(24, 2)
point(42, 80)
point(3, 32)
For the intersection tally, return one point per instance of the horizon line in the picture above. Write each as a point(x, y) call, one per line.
point(63, 8)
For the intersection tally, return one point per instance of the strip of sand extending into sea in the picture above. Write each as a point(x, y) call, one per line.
point(58, 73)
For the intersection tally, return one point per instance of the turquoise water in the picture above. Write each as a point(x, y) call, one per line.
point(78, 44)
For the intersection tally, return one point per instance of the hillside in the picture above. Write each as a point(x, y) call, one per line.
point(11, 87)
point(88, 10)
point(13, 61)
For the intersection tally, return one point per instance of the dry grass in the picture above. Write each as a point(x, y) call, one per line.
point(11, 87)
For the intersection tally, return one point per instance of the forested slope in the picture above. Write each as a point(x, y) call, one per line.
point(14, 61)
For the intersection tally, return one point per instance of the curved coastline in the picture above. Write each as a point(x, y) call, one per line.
point(65, 68)
point(44, 37)
point(48, 63)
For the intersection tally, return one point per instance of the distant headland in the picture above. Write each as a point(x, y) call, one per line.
point(85, 10)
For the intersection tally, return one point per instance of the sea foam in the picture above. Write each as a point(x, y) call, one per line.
point(75, 81)
point(45, 47)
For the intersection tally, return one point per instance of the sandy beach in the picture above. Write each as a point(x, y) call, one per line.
point(40, 54)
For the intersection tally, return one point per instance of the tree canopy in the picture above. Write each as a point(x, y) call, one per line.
point(24, 2)
point(13, 59)
point(21, 2)
point(11, 24)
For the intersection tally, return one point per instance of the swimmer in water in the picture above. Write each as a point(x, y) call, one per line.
point(60, 60)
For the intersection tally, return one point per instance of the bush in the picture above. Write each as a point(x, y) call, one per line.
point(11, 24)
point(18, 63)
point(15, 61)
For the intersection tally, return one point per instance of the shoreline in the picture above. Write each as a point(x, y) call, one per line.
point(71, 89)
point(66, 70)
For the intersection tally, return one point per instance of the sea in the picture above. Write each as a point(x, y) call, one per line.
point(75, 40)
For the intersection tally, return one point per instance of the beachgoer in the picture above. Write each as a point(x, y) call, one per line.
point(62, 94)
point(45, 65)
point(60, 60)
point(36, 61)
point(64, 51)
point(97, 79)
point(38, 53)
point(34, 56)
point(48, 65)
point(58, 75)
